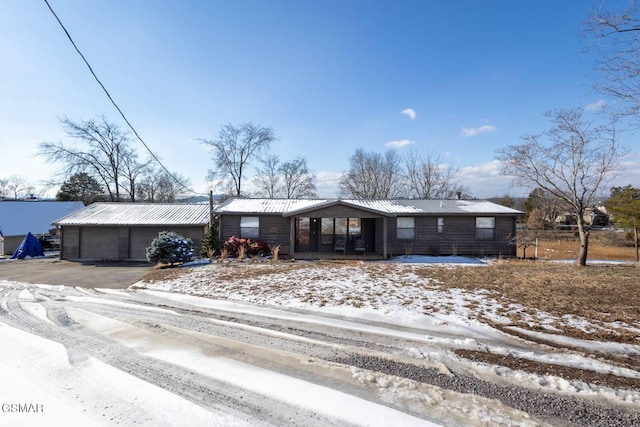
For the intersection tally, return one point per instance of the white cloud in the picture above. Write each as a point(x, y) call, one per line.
point(595, 106)
point(327, 183)
point(467, 132)
point(484, 181)
point(629, 174)
point(399, 143)
point(409, 112)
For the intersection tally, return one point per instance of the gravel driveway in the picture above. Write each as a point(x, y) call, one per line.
point(53, 271)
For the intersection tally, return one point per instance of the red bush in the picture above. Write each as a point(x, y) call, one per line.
point(252, 247)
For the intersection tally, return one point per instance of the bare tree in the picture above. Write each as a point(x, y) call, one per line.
point(268, 179)
point(525, 239)
point(571, 161)
point(171, 187)
point(290, 179)
point(297, 179)
point(616, 38)
point(546, 206)
point(132, 171)
point(159, 186)
point(430, 177)
point(234, 149)
point(372, 176)
point(17, 187)
point(4, 188)
point(103, 152)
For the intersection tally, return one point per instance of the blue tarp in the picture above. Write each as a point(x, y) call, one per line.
point(30, 247)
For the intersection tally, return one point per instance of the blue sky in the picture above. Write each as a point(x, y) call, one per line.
point(327, 76)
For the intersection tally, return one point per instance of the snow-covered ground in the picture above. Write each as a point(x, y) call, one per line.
point(206, 348)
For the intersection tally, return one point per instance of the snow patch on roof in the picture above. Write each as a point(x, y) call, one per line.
point(139, 214)
point(387, 207)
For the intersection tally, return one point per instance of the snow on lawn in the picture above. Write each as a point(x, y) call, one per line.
point(387, 290)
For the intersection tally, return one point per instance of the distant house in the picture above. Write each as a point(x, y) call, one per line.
point(123, 231)
point(333, 228)
point(17, 218)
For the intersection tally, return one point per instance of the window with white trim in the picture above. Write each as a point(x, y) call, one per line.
point(440, 225)
point(406, 227)
point(485, 228)
point(249, 227)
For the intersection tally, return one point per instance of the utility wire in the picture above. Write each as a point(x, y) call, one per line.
point(114, 102)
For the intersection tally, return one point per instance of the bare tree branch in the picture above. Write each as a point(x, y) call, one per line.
point(572, 165)
point(234, 149)
point(102, 150)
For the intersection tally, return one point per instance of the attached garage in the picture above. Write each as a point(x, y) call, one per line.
point(123, 231)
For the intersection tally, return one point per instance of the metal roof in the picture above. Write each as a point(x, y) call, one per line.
point(290, 207)
point(138, 214)
point(266, 206)
point(17, 218)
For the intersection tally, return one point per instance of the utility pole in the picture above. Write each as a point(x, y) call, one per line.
point(210, 209)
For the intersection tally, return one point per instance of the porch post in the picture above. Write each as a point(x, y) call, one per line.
point(384, 237)
point(292, 236)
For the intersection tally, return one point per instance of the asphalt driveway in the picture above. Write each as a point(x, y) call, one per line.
point(53, 271)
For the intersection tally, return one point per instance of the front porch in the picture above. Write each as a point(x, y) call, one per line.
point(338, 237)
point(336, 256)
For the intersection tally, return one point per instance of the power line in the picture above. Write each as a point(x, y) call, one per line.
point(114, 102)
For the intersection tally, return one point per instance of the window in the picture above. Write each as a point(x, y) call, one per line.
point(249, 227)
point(326, 231)
point(406, 227)
point(303, 228)
point(485, 228)
point(440, 225)
point(354, 228)
point(341, 227)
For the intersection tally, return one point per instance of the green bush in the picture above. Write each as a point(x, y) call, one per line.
point(211, 243)
point(170, 248)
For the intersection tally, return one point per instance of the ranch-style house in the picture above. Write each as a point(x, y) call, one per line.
point(335, 228)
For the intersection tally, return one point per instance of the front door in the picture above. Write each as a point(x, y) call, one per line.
point(369, 233)
point(307, 234)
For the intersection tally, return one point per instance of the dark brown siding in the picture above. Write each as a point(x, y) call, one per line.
point(459, 238)
point(99, 243)
point(340, 212)
point(119, 243)
point(123, 243)
point(141, 237)
point(273, 229)
point(69, 243)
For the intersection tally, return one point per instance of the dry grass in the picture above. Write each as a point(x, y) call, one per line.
point(602, 245)
point(601, 293)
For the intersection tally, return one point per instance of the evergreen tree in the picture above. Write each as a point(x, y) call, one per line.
point(624, 205)
point(170, 248)
point(211, 243)
point(81, 187)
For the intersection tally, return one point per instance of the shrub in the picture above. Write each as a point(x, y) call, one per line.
point(251, 247)
point(170, 248)
point(275, 250)
point(211, 243)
